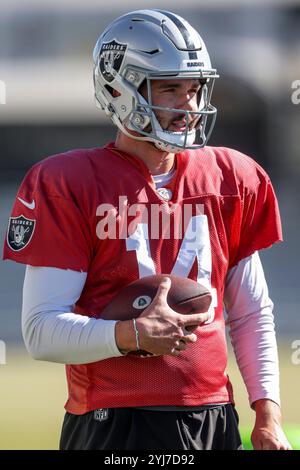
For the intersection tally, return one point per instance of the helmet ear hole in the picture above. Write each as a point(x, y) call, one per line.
point(116, 93)
point(112, 91)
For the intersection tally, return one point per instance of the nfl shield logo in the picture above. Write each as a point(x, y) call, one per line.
point(19, 232)
point(111, 58)
point(101, 414)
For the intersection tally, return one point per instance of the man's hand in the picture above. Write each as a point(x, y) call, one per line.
point(164, 331)
point(161, 330)
point(268, 433)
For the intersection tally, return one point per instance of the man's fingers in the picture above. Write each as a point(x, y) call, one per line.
point(180, 345)
point(190, 328)
point(195, 319)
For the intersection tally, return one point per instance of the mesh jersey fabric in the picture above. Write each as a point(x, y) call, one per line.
point(78, 194)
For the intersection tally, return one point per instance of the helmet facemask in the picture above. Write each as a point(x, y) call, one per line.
point(144, 119)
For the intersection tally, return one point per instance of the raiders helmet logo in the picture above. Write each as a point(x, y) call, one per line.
point(19, 232)
point(111, 58)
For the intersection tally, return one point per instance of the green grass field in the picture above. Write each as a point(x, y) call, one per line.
point(33, 393)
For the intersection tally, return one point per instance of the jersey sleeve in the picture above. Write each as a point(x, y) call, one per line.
point(260, 224)
point(48, 226)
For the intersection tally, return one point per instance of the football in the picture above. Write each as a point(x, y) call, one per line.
point(185, 296)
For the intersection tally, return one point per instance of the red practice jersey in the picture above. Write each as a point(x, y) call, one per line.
point(98, 211)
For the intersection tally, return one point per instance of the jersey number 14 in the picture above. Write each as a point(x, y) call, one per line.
point(195, 246)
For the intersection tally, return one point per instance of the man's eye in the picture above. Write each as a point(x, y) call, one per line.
point(195, 90)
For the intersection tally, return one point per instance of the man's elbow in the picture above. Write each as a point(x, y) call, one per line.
point(35, 354)
point(31, 334)
point(34, 351)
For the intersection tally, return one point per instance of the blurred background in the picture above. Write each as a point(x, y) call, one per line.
point(46, 66)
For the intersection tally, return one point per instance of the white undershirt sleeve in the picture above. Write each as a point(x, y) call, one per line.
point(251, 328)
point(51, 331)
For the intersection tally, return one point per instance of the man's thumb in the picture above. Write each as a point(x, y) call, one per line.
point(163, 288)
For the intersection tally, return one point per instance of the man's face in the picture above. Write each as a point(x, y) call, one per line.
point(179, 94)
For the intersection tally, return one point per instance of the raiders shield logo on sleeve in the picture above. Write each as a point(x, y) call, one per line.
point(19, 232)
point(111, 58)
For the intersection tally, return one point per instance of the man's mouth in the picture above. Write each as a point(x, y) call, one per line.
point(180, 125)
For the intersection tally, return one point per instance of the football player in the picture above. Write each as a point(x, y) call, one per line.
point(157, 200)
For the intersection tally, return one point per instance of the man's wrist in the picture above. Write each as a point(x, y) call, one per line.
point(266, 409)
point(125, 336)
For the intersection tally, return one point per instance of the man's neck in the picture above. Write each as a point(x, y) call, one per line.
point(158, 162)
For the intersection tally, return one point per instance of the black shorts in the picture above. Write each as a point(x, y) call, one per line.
point(215, 427)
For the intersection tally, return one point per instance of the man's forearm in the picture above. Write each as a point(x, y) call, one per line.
point(252, 332)
point(51, 331)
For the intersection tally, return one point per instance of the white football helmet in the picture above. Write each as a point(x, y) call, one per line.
point(147, 45)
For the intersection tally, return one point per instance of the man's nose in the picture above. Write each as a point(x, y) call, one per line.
point(187, 102)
